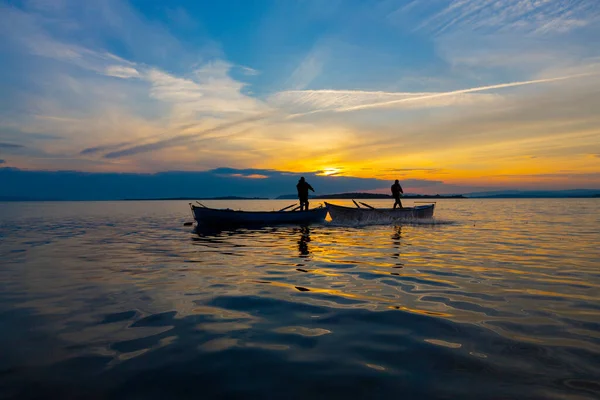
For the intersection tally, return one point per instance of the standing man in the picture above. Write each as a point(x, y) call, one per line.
point(303, 187)
point(396, 190)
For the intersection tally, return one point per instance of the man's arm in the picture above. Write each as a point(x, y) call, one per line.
point(310, 187)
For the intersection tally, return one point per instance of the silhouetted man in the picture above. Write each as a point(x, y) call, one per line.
point(396, 190)
point(303, 187)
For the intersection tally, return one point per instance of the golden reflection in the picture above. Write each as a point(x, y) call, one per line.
point(303, 331)
point(439, 342)
point(546, 293)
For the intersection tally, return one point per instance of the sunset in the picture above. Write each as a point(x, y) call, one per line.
point(453, 95)
point(300, 199)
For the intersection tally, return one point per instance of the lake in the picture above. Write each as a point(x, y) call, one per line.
point(495, 299)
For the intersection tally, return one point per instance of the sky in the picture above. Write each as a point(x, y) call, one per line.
point(448, 96)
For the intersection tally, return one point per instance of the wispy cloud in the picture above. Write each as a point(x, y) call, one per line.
point(208, 91)
point(180, 140)
point(249, 71)
point(530, 16)
point(120, 71)
point(404, 171)
point(103, 149)
point(480, 39)
point(309, 69)
point(10, 146)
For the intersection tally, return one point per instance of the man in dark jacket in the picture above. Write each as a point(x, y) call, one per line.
point(303, 187)
point(396, 190)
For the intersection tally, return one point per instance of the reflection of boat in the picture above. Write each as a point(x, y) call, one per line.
point(341, 213)
point(213, 216)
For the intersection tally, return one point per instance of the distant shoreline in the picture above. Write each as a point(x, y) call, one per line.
point(324, 197)
point(366, 196)
point(198, 198)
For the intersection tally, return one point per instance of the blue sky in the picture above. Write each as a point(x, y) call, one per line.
point(474, 94)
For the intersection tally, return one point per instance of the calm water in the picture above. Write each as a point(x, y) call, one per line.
point(493, 299)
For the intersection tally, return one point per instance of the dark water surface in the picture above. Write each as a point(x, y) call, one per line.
point(495, 299)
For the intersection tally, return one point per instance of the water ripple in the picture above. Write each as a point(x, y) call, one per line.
point(119, 300)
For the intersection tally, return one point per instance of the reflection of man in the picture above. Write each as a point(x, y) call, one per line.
point(303, 187)
point(303, 242)
point(396, 190)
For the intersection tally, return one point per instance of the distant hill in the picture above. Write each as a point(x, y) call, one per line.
point(338, 196)
point(513, 194)
point(500, 194)
point(360, 195)
point(25, 198)
point(202, 198)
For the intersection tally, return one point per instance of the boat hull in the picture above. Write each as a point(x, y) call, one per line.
point(219, 217)
point(341, 213)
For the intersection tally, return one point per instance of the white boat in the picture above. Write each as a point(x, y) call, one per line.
point(369, 213)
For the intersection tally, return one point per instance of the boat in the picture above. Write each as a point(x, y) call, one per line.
point(215, 216)
point(369, 213)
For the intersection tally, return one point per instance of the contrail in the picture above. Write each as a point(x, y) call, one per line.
point(471, 90)
point(425, 96)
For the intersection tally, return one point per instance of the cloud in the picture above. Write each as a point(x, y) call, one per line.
point(103, 149)
point(100, 62)
point(180, 140)
point(482, 39)
point(126, 94)
point(26, 30)
point(78, 97)
point(208, 91)
point(120, 71)
point(309, 69)
point(528, 16)
point(10, 146)
point(406, 170)
point(2, 161)
point(251, 176)
point(249, 71)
